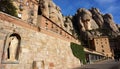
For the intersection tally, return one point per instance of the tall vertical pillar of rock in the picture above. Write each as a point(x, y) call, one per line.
point(51, 11)
point(55, 14)
point(27, 10)
point(97, 16)
point(85, 21)
point(68, 26)
point(109, 23)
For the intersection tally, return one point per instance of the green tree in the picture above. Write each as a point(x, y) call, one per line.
point(7, 6)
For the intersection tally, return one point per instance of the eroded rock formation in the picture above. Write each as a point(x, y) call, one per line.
point(95, 23)
point(97, 16)
point(68, 26)
point(52, 11)
point(85, 21)
point(109, 23)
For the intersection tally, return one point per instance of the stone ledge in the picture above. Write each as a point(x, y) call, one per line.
point(9, 62)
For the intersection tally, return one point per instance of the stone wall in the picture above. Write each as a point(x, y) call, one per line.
point(37, 49)
point(48, 25)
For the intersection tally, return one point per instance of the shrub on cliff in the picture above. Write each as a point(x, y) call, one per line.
point(78, 52)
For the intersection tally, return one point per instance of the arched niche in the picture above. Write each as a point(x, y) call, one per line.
point(11, 49)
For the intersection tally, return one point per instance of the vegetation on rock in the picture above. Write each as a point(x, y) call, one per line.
point(8, 7)
point(78, 52)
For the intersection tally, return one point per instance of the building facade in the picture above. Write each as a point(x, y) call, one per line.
point(101, 44)
point(27, 10)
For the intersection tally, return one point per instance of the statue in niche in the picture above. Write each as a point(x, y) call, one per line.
point(12, 48)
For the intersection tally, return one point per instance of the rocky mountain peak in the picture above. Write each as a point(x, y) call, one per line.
point(109, 23)
point(109, 16)
point(97, 16)
point(91, 21)
point(95, 10)
point(84, 20)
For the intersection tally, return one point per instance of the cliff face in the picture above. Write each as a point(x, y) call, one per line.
point(90, 22)
point(68, 26)
point(108, 20)
point(85, 21)
point(97, 16)
point(104, 21)
point(52, 11)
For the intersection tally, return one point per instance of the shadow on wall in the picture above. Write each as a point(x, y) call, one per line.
point(78, 52)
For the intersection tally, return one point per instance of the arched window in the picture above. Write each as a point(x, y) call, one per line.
point(11, 48)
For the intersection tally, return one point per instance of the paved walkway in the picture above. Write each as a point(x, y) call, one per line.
point(106, 64)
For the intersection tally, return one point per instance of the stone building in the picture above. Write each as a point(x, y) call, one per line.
point(101, 44)
point(27, 10)
point(93, 56)
point(98, 48)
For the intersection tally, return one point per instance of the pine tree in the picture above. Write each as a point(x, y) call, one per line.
point(7, 6)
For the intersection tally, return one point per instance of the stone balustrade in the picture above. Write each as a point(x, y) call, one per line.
point(48, 25)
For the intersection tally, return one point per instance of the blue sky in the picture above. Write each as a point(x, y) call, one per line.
point(69, 7)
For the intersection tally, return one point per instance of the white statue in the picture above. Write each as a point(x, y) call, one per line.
point(13, 48)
